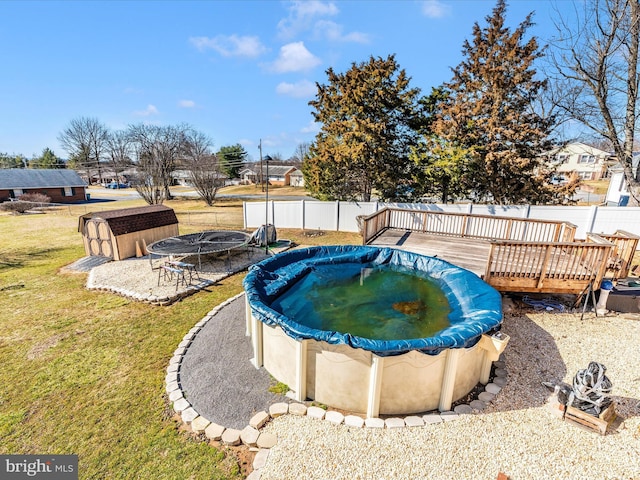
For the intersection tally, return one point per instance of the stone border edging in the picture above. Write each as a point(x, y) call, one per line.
point(251, 436)
point(152, 299)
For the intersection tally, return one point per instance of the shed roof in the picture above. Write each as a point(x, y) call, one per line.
point(129, 220)
point(12, 178)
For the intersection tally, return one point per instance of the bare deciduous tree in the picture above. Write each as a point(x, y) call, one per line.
point(158, 149)
point(300, 153)
point(204, 168)
point(85, 140)
point(119, 149)
point(595, 59)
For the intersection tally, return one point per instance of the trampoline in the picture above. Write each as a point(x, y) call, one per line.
point(202, 243)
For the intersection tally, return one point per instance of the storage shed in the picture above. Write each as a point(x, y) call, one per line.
point(122, 233)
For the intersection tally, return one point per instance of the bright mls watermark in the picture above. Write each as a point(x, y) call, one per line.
point(46, 467)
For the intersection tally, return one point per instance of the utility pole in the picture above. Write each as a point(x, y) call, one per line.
point(261, 171)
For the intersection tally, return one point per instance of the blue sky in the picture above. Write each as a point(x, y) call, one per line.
point(239, 71)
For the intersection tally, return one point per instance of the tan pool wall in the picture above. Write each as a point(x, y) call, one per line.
point(359, 381)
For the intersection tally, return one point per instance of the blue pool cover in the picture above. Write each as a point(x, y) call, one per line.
point(476, 307)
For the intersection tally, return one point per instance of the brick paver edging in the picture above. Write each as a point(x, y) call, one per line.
point(252, 437)
point(153, 299)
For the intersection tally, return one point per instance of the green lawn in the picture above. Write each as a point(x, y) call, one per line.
point(83, 371)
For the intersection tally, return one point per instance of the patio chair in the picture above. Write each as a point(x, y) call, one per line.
point(168, 272)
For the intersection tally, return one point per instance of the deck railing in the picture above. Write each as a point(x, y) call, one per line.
point(558, 267)
point(465, 225)
point(624, 248)
point(526, 255)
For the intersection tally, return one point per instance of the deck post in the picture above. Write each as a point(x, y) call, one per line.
point(545, 266)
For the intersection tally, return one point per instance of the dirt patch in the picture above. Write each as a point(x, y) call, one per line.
point(39, 350)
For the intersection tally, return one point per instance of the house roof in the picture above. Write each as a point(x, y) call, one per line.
point(273, 169)
point(14, 178)
point(182, 174)
point(635, 160)
point(579, 147)
point(128, 220)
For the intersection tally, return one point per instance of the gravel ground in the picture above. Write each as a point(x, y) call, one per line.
point(517, 434)
point(216, 373)
point(134, 277)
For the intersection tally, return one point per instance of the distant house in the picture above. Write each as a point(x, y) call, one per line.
point(618, 193)
point(107, 176)
point(590, 163)
point(296, 178)
point(183, 177)
point(283, 175)
point(61, 185)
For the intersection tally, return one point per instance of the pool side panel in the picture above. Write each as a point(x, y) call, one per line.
point(468, 372)
point(411, 383)
point(341, 376)
point(279, 355)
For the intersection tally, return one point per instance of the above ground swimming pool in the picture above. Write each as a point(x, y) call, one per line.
point(372, 330)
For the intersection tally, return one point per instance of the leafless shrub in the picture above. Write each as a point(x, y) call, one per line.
point(34, 197)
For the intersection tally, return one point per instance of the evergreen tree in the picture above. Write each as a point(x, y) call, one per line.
point(488, 111)
point(443, 168)
point(442, 165)
point(12, 161)
point(47, 159)
point(367, 117)
point(231, 160)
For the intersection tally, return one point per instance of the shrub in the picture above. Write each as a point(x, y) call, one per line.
point(34, 197)
point(16, 207)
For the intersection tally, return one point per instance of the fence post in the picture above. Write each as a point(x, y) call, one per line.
point(244, 214)
point(337, 215)
point(273, 213)
point(302, 213)
point(593, 213)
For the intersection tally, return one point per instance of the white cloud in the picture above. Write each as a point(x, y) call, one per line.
point(150, 110)
point(435, 9)
point(186, 104)
point(230, 45)
point(302, 89)
point(294, 57)
point(302, 14)
point(312, 127)
point(333, 31)
point(312, 8)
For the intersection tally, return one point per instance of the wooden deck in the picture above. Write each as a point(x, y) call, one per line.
point(511, 254)
point(468, 253)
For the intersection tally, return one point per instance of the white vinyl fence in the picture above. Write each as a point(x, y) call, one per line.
point(341, 216)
